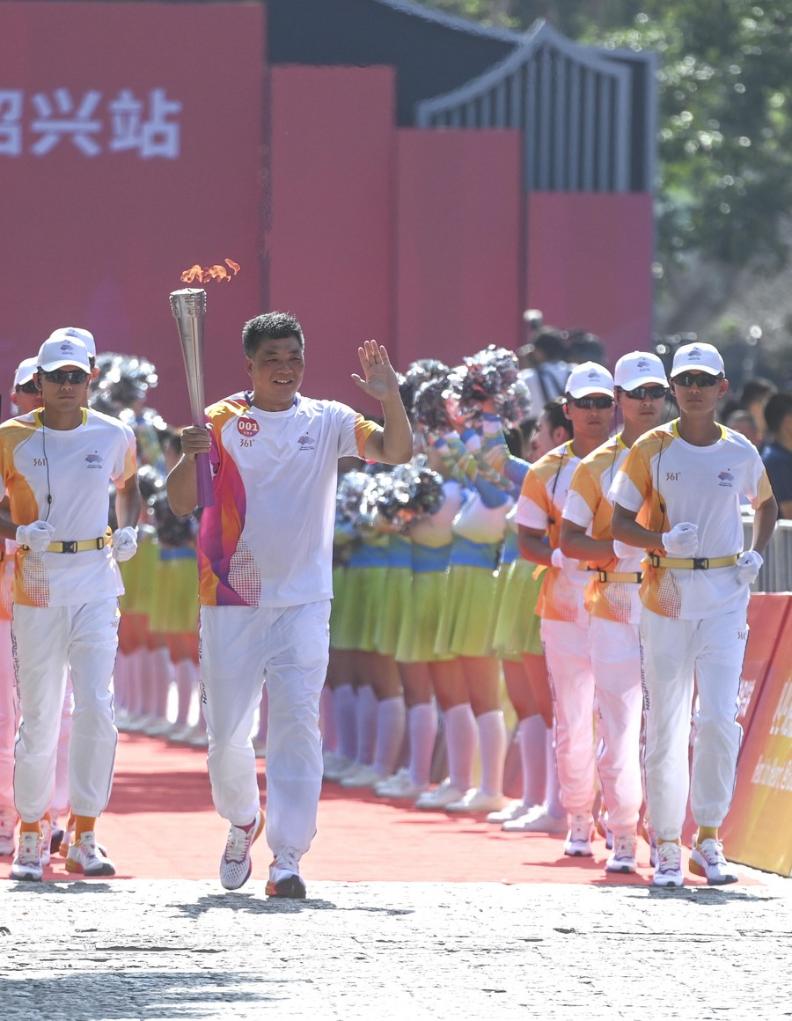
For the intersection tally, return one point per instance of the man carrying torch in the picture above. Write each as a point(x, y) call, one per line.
point(265, 564)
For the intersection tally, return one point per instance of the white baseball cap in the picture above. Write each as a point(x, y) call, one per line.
point(56, 352)
point(25, 371)
point(698, 357)
point(637, 369)
point(76, 331)
point(589, 378)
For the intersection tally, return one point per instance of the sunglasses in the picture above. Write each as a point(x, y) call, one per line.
point(699, 379)
point(28, 388)
point(599, 402)
point(72, 376)
point(646, 393)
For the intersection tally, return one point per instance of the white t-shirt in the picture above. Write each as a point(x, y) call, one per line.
point(540, 506)
point(268, 540)
point(74, 467)
point(667, 481)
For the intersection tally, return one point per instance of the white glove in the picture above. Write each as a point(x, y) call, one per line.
point(623, 551)
point(748, 567)
point(564, 563)
point(36, 536)
point(124, 543)
point(682, 540)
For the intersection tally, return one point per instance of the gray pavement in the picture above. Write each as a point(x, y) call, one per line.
point(160, 950)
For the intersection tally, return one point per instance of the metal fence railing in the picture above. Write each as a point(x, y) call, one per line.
point(776, 573)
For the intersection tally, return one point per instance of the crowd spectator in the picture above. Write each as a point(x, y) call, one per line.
point(777, 454)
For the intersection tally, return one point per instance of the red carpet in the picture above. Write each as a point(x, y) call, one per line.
point(161, 824)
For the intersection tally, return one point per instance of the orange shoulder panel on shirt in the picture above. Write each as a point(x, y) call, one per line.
point(363, 429)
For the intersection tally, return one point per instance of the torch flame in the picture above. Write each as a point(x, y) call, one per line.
point(201, 275)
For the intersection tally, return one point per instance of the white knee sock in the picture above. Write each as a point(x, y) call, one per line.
point(553, 795)
point(391, 717)
point(531, 734)
point(422, 723)
point(492, 742)
point(346, 723)
point(185, 676)
point(460, 730)
point(327, 719)
point(366, 725)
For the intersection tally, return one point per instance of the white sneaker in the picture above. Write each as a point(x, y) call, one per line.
point(284, 875)
point(46, 837)
point(511, 810)
point(579, 837)
point(7, 827)
point(707, 859)
point(476, 800)
point(27, 861)
point(441, 796)
point(536, 820)
point(668, 871)
point(400, 786)
point(88, 858)
point(236, 864)
point(338, 768)
point(623, 857)
point(197, 738)
point(180, 734)
point(363, 776)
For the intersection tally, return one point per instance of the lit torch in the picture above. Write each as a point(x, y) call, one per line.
point(189, 310)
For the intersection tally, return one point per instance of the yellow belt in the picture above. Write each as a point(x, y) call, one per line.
point(78, 545)
point(633, 577)
point(692, 563)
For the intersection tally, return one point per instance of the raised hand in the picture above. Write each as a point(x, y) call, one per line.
point(379, 379)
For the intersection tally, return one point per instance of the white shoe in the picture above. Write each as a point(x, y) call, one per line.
point(536, 820)
point(158, 728)
point(284, 875)
point(339, 767)
point(623, 858)
point(236, 864)
point(46, 837)
point(363, 776)
point(400, 786)
point(7, 827)
point(579, 837)
point(668, 871)
point(179, 733)
point(441, 796)
point(707, 859)
point(511, 810)
point(88, 858)
point(27, 861)
point(197, 738)
point(138, 723)
point(474, 801)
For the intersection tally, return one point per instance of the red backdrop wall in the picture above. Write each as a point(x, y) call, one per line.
point(330, 243)
point(96, 236)
point(589, 265)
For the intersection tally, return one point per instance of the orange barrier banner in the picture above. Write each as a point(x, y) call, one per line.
point(767, 614)
point(758, 830)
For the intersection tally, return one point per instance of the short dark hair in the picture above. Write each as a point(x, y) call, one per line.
point(755, 389)
point(270, 326)
point(556, 416)
point(777, 409)
point(552, 344)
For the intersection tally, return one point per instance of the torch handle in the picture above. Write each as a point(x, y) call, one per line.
point(204, 480)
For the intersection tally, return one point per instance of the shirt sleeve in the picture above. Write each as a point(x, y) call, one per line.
point(125, 464)
point(532, 505)
point(763, 483)
point(353, 431)
point(583, 497)
point(633, 482)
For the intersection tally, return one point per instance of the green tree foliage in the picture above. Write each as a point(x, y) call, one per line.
point(725, 129)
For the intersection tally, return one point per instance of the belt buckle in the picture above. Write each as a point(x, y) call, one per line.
point(69, 546)
point(700, 563)
point(654, 559)
point(602, 575)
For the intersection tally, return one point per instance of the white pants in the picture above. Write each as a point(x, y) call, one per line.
point(569, 666)
point(46, 641)
point(674, 652)
point(238, 644)
point(8, 721)
point(616, 660)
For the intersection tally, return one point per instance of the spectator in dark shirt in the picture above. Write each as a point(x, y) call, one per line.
point(756, 392)
point(777, 455)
